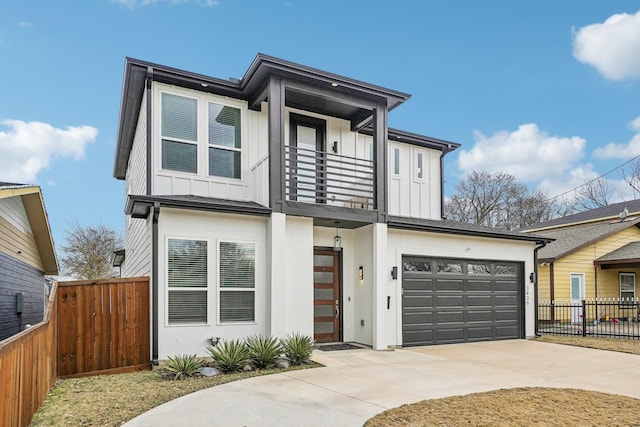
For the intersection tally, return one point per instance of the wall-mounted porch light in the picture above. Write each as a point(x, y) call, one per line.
point(394, 273)
point(337, 240)
point(361, 273)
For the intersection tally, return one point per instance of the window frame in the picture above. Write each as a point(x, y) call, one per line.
point(195, 143)
point(168, 288)
point(220, 289)
point(419, 169)
point(224, 147)
point(620, 291)
point(396, 161)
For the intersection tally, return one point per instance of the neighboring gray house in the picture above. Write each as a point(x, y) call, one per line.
point(283, 202)
point(26, 255)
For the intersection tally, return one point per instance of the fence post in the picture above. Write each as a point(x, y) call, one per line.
point(584, 318)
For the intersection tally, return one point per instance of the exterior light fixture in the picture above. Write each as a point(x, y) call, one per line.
point(394, 273)
point(337, 240)
point(334, 84)
point(361, 273)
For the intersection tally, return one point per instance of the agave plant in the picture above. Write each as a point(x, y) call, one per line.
point(186, 365)
point(263, 351)
point(297, 348)
point(229, 356)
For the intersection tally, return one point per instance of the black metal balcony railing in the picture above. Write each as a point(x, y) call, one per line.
point(327, 178)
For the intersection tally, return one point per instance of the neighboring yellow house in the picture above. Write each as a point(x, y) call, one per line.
point(596, 254)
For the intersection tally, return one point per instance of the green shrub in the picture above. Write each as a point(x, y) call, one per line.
point(183, 366)
point(297, 348)
point(263, 351)
point(229, 356)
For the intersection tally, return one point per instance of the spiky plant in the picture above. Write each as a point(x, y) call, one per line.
point(185, 365)
point(297, 348)
point(263, 351)
point(229, 356)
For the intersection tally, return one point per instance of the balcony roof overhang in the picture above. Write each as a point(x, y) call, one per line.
point(306, 88)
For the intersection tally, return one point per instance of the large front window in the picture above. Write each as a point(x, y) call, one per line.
point(627, 288)
point(183, 136)
point(187, 281)
point(237, 282)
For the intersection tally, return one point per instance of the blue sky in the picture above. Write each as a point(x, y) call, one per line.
point(546, 90)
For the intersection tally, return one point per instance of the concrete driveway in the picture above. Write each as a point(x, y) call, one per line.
point(357, 384)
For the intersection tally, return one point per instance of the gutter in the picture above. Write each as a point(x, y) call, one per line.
point(541, 245)
point(444, 153)
point(154, 283)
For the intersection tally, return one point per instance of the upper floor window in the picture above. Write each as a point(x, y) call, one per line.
point(179, 133)
point(419, 165)
point(396, 161)
point(225, 141)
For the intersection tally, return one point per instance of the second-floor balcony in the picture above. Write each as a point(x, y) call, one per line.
point(326, 178)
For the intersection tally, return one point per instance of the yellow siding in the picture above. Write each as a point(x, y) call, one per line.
point(543, 283)
point(14, 241)
point(581, 261)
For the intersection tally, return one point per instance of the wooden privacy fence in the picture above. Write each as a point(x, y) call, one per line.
point(28, 369)
point(103, 326)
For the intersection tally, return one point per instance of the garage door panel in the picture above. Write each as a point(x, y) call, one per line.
point(419, 318)
point(478, 300)
point(417, 300)
point(449, 317)
point(419, 284)
point(480, 316)
point(447, 335)
point(449, 300)
point(445, 285)
point(461, 301)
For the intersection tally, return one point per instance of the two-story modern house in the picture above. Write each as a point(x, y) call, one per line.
point(282, 202)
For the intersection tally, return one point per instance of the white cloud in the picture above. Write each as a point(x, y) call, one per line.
point(24, 24)
point(622, 151)
point(613, 47)
point(27, 148)
point(527, 153)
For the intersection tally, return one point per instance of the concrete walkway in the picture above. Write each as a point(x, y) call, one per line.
point(357, 384)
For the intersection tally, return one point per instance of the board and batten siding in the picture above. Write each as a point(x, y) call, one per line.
point(17, 276)
point(409, 194)
point(581, 261)
point(17, 239)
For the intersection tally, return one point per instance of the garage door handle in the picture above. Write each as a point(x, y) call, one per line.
point(337, 312)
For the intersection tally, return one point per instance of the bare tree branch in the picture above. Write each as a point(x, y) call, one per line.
point(88, 251)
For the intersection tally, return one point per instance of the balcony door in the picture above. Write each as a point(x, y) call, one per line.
point(307, 162)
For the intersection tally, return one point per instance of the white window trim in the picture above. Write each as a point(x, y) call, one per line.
point(220, 289)
point(416, 170)
point(394, 151)
point(202, 162)
point(224, 147)
point(620, 274)
point(183, 141)
point(166, 283)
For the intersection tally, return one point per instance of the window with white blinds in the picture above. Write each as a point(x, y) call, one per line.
point(237, 282)
point(179, 131)
point(187, 281)
point(225, 141)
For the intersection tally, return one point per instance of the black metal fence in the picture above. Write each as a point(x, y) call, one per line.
point(598, 318)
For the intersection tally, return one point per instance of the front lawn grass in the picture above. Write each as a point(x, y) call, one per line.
point(111, 400)
point(611, 344)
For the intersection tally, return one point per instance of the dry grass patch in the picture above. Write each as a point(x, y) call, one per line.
point(612, 344)
point(518, 406)
point(111, 400)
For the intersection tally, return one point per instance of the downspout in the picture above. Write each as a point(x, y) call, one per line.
point(149, 130)
point(154, 282)
point(535, 285)
point(444, 153)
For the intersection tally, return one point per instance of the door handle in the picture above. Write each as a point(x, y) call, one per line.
point(337, 310)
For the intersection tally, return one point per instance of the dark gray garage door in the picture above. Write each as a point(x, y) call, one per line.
point(456, 300)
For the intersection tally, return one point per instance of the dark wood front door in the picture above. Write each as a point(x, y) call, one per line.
point(326, 295)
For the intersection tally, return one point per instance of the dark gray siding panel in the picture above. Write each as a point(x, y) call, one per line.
point(16, 276)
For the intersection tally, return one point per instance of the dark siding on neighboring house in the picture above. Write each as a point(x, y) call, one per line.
point(16, 276)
